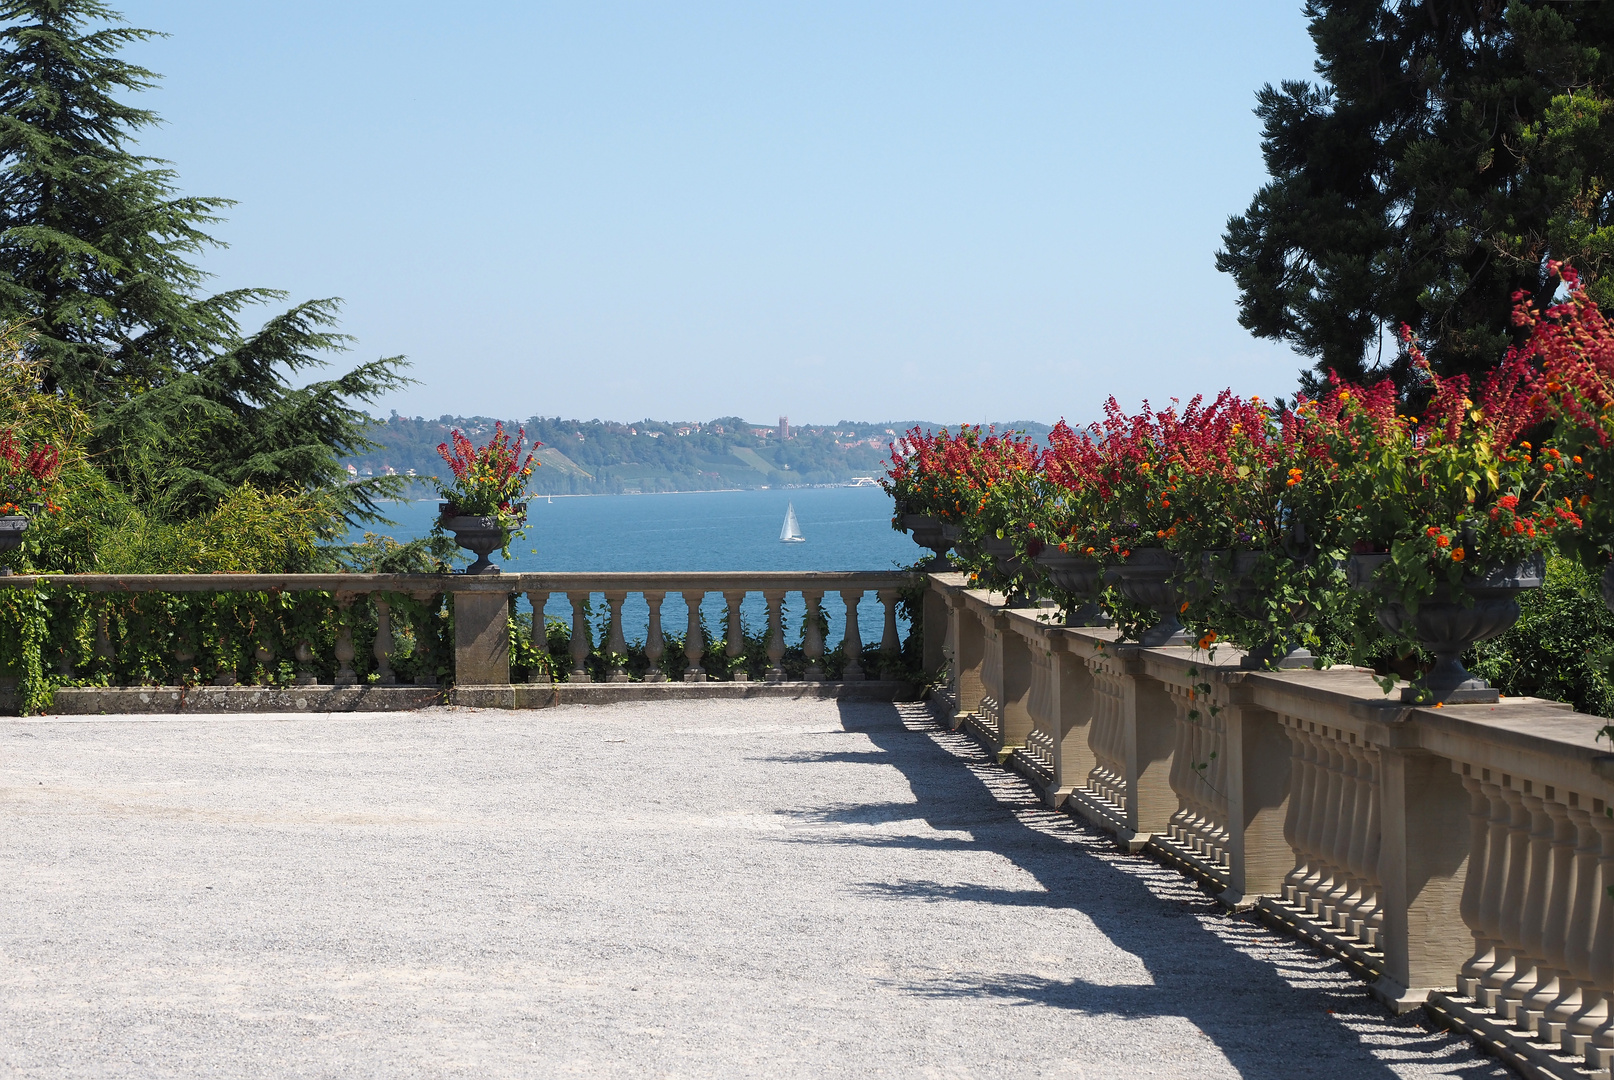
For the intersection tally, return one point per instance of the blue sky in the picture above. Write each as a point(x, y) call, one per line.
point(833, 211)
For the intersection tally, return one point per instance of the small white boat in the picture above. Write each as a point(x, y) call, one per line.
point(791, 533)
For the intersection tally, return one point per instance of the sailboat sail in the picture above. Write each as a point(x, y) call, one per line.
point(791, 533)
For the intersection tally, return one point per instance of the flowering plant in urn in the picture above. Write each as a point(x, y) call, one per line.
point(1452, 494)
point(485, 505)
point(27, 475)
point(1573, 345)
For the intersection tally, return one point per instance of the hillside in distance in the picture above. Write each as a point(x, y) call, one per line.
point(597, 457)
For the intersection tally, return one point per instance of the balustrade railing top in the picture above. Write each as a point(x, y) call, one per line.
point(633, 581)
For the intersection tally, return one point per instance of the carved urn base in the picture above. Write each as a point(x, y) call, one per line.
point(1235, 571)
point(1480, 607)
point(930, 533)
point(1146, 580)
point(481, 536)
point(1080, 577)
point(11, 529)
point(1010, 566)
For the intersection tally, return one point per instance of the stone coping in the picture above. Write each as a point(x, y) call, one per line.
point(670, 581)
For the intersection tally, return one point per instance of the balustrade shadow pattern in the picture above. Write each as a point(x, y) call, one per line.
point(1274, 1008)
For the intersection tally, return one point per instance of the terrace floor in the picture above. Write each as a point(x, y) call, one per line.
point(778, 888)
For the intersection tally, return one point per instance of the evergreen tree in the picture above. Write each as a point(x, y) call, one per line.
point(1448, 152)
point(95, 250)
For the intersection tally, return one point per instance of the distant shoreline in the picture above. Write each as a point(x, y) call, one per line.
point(701, 491)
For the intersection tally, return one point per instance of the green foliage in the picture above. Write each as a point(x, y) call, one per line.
point(95, 250)
point(1446, 153)
point(1561, 647)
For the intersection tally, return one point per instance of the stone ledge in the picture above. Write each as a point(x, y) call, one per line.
point(549, 695)
point(95, 700)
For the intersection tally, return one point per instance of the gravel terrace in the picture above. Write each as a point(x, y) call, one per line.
point(769, 888)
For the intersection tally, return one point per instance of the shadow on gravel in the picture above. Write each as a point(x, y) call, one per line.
point(1292, 1014)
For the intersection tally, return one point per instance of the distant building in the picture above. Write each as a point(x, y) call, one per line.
point(784, 428)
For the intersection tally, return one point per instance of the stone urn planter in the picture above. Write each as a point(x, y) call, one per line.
point(1481, 606)
point(1080, 577)
point(1010, 565)
point(481, 536)
point(1146, 580)
point(12, 526)
point(929, 533)
point(1234, 571)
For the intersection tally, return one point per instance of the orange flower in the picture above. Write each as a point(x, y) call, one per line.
point(1205, 642)
point(1457, 555)
point(1443, 541)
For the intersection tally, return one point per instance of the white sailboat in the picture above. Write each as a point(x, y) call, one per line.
point(791, 533)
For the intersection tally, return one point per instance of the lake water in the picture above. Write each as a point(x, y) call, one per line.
point(846, 529)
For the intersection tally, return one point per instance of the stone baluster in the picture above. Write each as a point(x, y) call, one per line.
point(890, 643)
point(734, 638)
point(695, 637)
point(1491, 952)
point(264, 654)
point(1108, 739)
point(383, 645)
point(1294, 820)
point(425, 676)
point(1339, 883)
point(812, 642)
point(1333, 788)
point(1353, 894)
point(304, 655)
point(654, 641)
point(345, 675)
point(1183, 766)
point(1306, 781)
point(1594, 1024)
point(1512, 898)
point(540, 671)
point(104, 654)
point(580, 636)
point(1527, 928)
point(1557, 909)
point(1479, 829)
point(852, 644)
point(655, 644)
point(1369, 913)
point(776, 634)
point(616, 645)
point(225, 674)
point(1578, 959)
point(1316, 868)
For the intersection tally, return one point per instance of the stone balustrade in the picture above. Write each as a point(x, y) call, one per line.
point(1459, 858)
point(481, 607)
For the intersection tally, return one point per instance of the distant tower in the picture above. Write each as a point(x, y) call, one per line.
point(784, 428)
